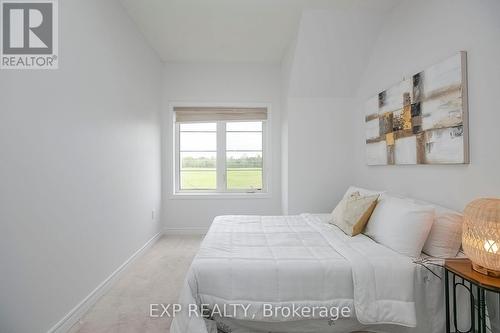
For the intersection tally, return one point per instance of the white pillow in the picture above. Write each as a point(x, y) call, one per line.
point(400, 224)
point(362, 191)
point(445, 238)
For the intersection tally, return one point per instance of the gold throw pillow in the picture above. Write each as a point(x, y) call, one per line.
point(352, 214)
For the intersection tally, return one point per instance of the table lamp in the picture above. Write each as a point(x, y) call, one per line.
point(481, 235)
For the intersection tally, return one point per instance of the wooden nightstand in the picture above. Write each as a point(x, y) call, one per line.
point(460, 273)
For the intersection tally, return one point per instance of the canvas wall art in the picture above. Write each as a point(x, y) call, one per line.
point(421, 120)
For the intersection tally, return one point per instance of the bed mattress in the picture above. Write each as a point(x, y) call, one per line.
point(276, 262)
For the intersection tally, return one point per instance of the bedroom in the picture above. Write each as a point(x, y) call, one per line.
point(150, 119)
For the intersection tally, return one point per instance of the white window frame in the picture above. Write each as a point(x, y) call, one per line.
point(222, 191)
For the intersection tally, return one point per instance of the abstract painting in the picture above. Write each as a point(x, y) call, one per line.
point(421, 120)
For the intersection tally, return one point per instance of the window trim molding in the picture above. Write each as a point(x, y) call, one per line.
point(173, 153)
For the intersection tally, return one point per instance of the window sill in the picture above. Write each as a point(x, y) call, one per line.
point(212, 195)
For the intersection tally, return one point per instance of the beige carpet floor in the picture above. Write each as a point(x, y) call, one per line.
point(156, 277)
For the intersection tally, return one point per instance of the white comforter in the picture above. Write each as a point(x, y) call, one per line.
point(300, 260)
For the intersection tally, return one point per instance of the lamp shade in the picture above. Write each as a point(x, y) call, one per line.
point(481, 235)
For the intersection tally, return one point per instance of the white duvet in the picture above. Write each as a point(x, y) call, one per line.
point(285, 261)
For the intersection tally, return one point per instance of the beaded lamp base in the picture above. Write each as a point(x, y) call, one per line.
point(485, 271)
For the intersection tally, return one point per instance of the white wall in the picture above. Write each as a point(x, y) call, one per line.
point(342, 57)
point(79, 165)
point(286, 72)
point(321, 76)
point(319, 168)
point(418, 34)
point(224, 83)
point(331, 51)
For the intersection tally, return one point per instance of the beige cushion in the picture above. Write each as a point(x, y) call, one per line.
point(445, 238)
point(362, 191)
point(352, 213)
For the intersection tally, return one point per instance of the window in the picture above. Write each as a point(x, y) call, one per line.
point(222, 156)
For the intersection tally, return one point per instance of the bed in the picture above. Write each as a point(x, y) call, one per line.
point(267, 263)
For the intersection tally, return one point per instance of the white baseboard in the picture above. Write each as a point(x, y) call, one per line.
point(66, 323)
point(186, 231)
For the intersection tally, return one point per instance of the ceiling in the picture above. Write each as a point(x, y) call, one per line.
point(221, 31)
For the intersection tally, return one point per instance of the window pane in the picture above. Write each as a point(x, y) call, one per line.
point(244, 170)
point(198, 141)
point(198, 160)
point(244, 126)
point(248, 179)
point(198, 171)
point(193, 127)
point(244, 160)
point(244, 141)
point(198, 179)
